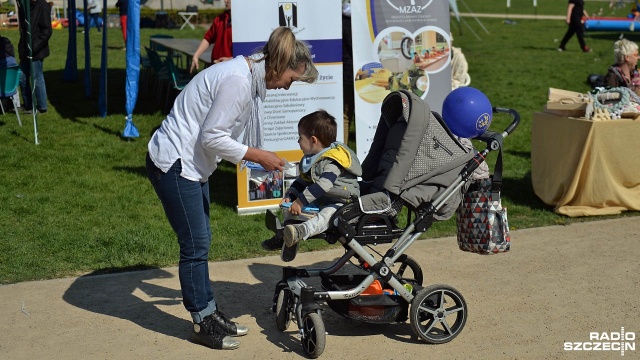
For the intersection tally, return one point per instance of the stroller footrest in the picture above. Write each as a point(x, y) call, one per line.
point(272, 222)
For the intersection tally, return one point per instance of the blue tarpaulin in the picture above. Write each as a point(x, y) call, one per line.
point(133, 61)
point(80, 18)
point(102, 94)
point(133, 66)
point(71, 66)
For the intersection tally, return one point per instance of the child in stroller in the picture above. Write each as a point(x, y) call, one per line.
point(414, 162)
point(328, 179)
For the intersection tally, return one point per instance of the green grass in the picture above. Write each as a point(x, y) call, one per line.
point(79, 202)
point(545, 7)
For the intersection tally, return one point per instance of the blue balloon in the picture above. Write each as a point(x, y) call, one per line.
point(467, 112)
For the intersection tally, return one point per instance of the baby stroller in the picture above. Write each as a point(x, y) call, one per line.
point(414, 162)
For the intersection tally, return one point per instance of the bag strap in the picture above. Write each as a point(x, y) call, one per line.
point(496, 179)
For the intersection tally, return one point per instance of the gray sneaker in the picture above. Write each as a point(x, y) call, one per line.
point(292, 234)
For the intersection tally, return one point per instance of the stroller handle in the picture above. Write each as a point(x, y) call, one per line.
point(514, 124)
point(494, 139)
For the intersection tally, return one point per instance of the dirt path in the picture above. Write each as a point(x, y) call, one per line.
point(557, 285)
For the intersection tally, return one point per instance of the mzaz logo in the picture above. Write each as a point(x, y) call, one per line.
point(288, 14)
point(606, 341)
point(415, 6)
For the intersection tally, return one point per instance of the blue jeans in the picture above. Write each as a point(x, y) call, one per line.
point(186, 204)
point(96, 19)
point(38, 79)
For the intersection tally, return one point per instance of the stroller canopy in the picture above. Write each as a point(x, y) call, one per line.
point(413, 154)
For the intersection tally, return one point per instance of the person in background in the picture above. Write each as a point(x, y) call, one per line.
point(54, 14)
point(7, 53)
point(8, 58)
point(219, 34)
point(41, 31)
point(95, 11)
point(624, 72)
point(123, 6)
point(187, 147)
point(575, 11)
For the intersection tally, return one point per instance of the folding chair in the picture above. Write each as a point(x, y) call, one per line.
point(163, 51)
point(177, 80)
point(160, 72)
point(9, 80)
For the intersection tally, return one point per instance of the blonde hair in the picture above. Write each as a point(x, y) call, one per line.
point(282, 51)
point(622, 48)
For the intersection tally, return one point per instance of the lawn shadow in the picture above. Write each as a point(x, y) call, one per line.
point(520, 191)
point(520, 154)
point(613, 36)
point(223, 185)
point(70, 101)
point(109, 131)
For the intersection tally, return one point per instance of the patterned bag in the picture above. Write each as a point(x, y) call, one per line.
point(482, 221)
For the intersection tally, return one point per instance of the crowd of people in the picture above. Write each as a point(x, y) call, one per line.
point(269, 188)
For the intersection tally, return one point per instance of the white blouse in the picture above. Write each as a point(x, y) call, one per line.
point(206, 121)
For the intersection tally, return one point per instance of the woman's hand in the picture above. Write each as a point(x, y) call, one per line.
point(270, 161)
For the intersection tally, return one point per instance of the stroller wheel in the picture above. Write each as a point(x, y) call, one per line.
point(408, 269)
point(313, 335)
point(283, 309)
point(438, 314)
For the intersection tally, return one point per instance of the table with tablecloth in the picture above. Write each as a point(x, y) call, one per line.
point(584, 167)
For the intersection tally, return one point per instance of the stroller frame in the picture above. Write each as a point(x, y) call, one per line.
point(432, 307)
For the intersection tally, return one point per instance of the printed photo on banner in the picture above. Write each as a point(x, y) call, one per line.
point(398, 45)
point(265, 185)
point(405, 62)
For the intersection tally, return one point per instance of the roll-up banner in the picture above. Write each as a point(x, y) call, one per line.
point(318, 23)
point(397, 44)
